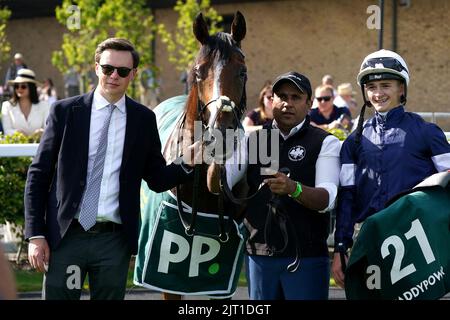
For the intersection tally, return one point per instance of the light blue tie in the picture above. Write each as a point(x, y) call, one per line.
point(89, 206)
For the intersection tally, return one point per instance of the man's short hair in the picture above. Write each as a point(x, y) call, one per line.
point(327, 79)
point(117, 44)
point(326, 87)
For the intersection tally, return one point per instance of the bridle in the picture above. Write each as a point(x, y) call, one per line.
point(229, 106)
point(225, 103)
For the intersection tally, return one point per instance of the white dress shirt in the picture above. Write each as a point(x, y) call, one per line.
point(327, 165)
point(108, 204)
point(14, 120)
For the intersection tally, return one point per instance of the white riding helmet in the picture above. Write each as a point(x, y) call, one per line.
point(383, 64)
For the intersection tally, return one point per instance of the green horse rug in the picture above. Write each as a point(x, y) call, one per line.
point(170, 260)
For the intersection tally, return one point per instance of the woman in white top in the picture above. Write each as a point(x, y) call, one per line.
point(24, 112)
point(48, 92)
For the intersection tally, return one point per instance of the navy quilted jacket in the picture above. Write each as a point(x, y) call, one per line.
point(396, 152)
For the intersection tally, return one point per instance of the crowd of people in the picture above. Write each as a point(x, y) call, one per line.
point(26, 101)
point(389, 153)
point(331, 108)
point(29, 100)
point(384, 155)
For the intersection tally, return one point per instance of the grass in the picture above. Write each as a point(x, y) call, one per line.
point(27, 281)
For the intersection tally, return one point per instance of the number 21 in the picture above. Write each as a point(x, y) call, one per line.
point(417, 231)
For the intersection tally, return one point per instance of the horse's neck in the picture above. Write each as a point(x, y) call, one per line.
point(207, 202)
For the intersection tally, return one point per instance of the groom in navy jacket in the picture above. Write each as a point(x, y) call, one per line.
point(66, 181)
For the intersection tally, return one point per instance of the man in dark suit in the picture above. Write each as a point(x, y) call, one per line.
point(83, 187)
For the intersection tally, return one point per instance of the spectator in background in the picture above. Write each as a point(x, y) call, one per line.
point(184, 80)
point(328, 80)
point(7, 284)
point(24, 112)
point(345, 98)
point(262, 115)
point(71, 83)
point(327, 115)
point(13, 69)
point(48, 92)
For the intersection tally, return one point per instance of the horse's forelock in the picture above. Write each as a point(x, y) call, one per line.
point(226, 45)
point(220, 46)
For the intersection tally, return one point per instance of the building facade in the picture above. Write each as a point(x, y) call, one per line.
point(315, 37)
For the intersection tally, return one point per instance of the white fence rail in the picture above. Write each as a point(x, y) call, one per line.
point(432, 116)
point(18, 150)
point(29, 149)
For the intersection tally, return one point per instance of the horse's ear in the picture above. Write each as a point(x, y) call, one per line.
point(238, 27)
point(200, 29)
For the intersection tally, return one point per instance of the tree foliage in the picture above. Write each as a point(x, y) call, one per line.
point(5, 47)
point(99, 20)
point(182, 44)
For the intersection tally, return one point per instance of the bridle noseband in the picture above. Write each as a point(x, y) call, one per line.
point(225, 105)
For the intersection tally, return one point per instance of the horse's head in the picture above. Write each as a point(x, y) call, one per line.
point(219, 75)
point(217, 99)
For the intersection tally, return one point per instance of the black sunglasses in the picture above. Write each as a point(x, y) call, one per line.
point(389, 63)
point(121, 71)
point(326, 98)
point(21, 86)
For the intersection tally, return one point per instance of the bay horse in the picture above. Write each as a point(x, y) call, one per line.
point(216, 103)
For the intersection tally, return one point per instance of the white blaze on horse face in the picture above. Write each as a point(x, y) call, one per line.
point(213, 108)
point(218, 98)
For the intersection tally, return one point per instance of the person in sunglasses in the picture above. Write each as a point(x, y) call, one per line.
point(327, 115)
point(24, 112)
point(83, 186)
point(389, 153)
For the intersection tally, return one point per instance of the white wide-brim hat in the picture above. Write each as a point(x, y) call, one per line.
point(25, 75)
point(345, 89)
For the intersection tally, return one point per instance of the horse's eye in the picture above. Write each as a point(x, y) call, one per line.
point(198, 73)
point(243, 74)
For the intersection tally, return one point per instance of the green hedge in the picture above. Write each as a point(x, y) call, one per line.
point(339, 133)
point(13, 174)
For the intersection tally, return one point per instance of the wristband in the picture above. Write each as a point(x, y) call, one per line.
point(297, 192)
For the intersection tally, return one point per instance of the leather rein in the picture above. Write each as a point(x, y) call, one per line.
point(224, 187)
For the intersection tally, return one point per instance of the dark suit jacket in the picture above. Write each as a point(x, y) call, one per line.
point(57, 175)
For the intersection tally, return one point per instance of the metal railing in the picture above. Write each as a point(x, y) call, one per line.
point(29, 149)
point(434, 115)
point(18, 150)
